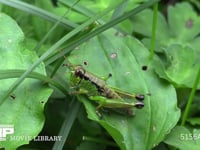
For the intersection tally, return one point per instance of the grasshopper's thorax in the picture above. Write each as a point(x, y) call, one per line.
point(81, 73)
point(99, 83)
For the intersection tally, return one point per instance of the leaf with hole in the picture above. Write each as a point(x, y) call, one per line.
point(180, 27)
point(125, 58)
point(177, 68)
point(24, 108)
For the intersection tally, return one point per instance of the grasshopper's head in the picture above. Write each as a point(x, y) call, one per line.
point(79, 71)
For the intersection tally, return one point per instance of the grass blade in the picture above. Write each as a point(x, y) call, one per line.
point(104, 27)
point(153, 39)
point(38, 12)
point(67, 124)
point(191, 97)
point(6, 74)
point(50, 51)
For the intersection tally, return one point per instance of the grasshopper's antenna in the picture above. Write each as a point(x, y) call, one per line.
point(68, 64)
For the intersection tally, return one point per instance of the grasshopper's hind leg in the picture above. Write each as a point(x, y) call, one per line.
point(101, 103)
point(99, 114)
point(97, 110)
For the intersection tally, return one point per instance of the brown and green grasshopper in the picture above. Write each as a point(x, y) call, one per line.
point(107, 97)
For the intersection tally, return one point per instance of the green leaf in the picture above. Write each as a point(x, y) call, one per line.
point(183, 139)
point(142, 24)
point(178, 68)
point(196, 44)
point(182, 26)
point(145, 19)
point(24, 108)
point(124, 57)
point(194, 121)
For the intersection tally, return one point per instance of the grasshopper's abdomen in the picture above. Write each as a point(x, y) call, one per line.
point(109, 93)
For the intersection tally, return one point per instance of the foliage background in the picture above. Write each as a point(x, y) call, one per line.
point(37, 37)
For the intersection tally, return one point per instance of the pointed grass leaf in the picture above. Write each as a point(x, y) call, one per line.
point(24, 108)
point(128, 61)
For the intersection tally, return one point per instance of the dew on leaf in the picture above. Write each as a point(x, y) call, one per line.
point(77, 48)
point(127, 73)
point(154, 128)
point(123, 35)
point(113, 55)
point(9, 41)
point(154, 145)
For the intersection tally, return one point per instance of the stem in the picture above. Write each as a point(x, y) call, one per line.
point(187, 109)
point(154, 24)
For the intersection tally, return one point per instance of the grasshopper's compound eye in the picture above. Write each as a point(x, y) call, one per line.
point(139, 105)
point(139, 97)
point(79, 72)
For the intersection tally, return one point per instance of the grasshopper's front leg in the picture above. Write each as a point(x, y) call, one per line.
point(80, 91)
point(113, 103)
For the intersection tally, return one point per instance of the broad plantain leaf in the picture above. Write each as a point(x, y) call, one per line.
point(24, 108)
point(132, 71)
point(183, 139)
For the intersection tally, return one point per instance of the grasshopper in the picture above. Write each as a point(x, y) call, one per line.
point(105, 96)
